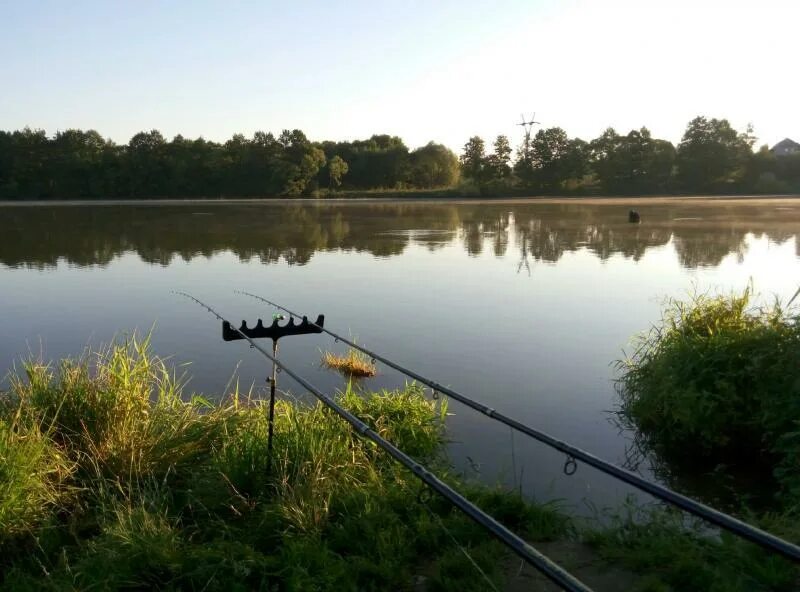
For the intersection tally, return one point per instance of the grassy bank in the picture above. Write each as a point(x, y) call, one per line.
point(112, 478)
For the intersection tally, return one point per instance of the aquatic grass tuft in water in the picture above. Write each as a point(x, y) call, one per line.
point(354, 364)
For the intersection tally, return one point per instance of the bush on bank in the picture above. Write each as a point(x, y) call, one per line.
point(717, 381)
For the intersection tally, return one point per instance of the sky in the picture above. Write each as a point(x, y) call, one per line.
point(436, 70)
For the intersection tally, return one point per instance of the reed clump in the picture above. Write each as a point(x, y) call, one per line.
point(353, 364)
point(717, 381)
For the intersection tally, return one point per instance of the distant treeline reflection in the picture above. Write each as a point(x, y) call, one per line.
point(703, 234)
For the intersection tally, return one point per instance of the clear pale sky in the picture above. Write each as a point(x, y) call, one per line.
point(424, 70)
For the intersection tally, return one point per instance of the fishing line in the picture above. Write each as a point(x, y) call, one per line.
point(541, 562)
point(575, 454)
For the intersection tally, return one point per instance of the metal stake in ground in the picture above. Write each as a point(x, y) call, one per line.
point(272, 388)
point(275, 331)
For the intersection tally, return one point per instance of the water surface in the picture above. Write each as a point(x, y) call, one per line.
point(522, 305)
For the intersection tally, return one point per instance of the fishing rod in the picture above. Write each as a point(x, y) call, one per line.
point(527, 552)
point(720, 519)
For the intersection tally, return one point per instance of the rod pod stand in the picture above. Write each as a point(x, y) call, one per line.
point(274, 331)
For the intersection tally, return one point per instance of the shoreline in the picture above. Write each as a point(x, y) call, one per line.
point(169, 483)
point(610, 199)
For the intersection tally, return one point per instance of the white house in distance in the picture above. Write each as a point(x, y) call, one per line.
point(786, 147)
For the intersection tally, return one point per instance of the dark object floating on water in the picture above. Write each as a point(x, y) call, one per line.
point(633, 217)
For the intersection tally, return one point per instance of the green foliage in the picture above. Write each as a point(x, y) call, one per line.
point(33, 472)
point(717, 381)
point(490, 173)
point(679, 554)
point(337, 168)
point(555, 158)
point(712, 154)
point(76, 164)
point(712, 157)
point(768, 173)
point(111, 479)
point(499, 160)
point(473, 160)
point(636, 163)
point(433, 165)
point(382, 161)
point(125, 420)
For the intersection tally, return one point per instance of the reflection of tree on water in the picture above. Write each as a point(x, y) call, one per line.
point(721, 486)
point(500, 238)
point(523, 261)
point(702, 233)
point(709, 249)
point(473, 237)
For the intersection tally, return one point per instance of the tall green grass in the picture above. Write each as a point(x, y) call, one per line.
point(717, 381)
point(111, 477)
point(674, 552)
point(33, 472)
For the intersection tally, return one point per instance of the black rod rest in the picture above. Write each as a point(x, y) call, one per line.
point(535, 558)
point(275, 331)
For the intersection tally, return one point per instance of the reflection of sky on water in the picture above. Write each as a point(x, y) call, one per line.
point(522, 307)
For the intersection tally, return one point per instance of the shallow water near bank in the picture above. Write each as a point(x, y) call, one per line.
point(521, 305)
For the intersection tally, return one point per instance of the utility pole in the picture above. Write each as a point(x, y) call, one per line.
point(527, 126)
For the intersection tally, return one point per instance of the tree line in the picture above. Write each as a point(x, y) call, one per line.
point(76, 163)
point(712, 157)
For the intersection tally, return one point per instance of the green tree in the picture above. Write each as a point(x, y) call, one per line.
point(712, 154)
point(787, 168)
point(523, 165)
point(8, 188)
point(498, 161)
point(30, 176)
point(299, 163)
point(553, 159)
point(146, 164)
point(380, 161)
point(433, 165)
point(635, 163)
point(337, 168)
point(76, 158)
point(473, 160)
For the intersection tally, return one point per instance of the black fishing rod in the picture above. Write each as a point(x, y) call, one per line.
point(721, 519)
point(527, 552)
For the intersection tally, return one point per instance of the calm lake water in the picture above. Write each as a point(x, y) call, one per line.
point(521, 305)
